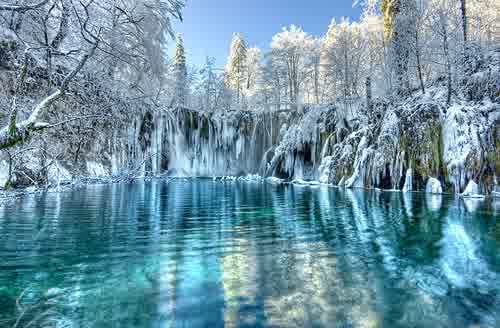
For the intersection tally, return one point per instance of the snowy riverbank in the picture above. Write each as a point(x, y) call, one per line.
point(419, 143)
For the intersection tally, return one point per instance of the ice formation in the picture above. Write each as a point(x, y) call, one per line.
point(433, 186)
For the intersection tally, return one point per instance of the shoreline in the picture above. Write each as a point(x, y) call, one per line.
point(71, 185)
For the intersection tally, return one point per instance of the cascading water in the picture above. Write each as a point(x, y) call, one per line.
point(387, 150)
point(191, 143)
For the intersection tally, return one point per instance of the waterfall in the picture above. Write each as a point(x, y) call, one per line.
point(192, 143)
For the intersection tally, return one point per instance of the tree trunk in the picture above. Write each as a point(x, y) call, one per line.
point(369, 93)
point(448, 63)
point(316, 82)
point(419, 65)
point(463, 9)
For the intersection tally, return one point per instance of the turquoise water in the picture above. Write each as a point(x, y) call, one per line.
point(198, 253)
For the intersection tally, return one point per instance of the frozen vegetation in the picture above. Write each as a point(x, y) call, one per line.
point(407, 98)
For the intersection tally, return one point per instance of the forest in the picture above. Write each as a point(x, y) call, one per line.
point(407, 97)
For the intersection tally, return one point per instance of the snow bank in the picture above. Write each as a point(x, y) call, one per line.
point(472, 190)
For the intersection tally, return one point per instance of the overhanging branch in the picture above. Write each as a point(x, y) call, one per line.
point(6, 7)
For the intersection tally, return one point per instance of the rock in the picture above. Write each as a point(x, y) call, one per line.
point(274, 180)
point(472, 190)
point(433, 186)
point(4, 173)
point(57, 174)
point(302, 182)
point(52, 292)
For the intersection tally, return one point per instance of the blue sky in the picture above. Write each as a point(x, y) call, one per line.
point(209, 24)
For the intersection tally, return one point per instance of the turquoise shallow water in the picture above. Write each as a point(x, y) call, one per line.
point(198, 253)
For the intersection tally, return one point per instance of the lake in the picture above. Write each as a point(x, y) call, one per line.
point(199, 253)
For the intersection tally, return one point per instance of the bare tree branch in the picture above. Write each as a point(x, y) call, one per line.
point(16, 133)
point(21, 8)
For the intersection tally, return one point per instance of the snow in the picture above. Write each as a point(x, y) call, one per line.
point(274, 180)
point(251, 178)
point(433, 186)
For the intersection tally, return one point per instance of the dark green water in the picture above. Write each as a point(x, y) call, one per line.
point(198, 253)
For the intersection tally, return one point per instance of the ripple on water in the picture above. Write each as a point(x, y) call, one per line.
point(196, 253)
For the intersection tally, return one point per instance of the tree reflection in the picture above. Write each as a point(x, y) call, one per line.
point(199, 253)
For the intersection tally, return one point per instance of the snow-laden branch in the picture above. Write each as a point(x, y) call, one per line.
point(16, 133)
point(6, 7)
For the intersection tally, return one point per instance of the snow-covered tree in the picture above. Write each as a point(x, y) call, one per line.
point(290, 52)
point(482, 22)
point(343, 61)
point(327, 62)
point(180, 73)
point(252, 70)
point(210, 89)
point(236, 68)
point(399, 25)
point(313, 84)
point(59, 43)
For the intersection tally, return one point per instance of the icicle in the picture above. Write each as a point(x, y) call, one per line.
point(408, 186)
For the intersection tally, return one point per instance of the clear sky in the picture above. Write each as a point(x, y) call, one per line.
point(209, 24)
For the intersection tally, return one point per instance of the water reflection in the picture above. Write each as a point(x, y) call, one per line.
point(197, 253)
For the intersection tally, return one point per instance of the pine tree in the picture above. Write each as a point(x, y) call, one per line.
point(236, 66)
point(180, 73)
point(253, 70)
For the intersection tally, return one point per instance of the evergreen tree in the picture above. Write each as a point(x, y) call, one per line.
point(180, 73)
point(253, 70)
point(237, 66)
